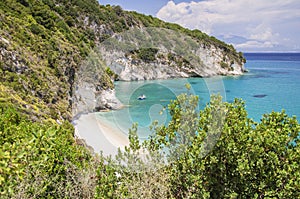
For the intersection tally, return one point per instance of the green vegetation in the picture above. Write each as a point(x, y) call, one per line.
point(215, 153)
point(179, 60)
point(144, 54)
point(226, 66)
point(38, 158)
point(44, 42)
point(111, 74)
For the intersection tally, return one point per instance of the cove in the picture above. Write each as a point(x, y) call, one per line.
point(272, 84)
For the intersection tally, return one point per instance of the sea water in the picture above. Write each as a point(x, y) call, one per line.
point(272, 84)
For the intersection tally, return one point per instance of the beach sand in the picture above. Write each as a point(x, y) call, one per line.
point(99, 134)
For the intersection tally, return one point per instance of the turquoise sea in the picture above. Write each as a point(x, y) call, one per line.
point(272, 83)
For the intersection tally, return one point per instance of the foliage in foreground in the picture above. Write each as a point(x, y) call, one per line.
point(217, 153)
point(41, 160)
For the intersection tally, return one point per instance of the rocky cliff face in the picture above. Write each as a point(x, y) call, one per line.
point(93, 88)
point(129, 69)
point(59, 58)
point(158, 53)
point(147, 53)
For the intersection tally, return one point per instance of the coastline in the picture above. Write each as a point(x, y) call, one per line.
point(99, 135)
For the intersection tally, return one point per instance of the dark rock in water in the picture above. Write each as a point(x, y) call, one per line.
point(260, 96)
point(278, 72)
point(193, 82)
point(260, 76)
point(227, 91)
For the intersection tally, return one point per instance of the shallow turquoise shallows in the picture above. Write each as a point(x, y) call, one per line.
point(272, 83)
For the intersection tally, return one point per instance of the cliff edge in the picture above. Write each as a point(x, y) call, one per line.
point(47, 46)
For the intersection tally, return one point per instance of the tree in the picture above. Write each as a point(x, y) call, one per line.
point(247, 160)
point(218, 152)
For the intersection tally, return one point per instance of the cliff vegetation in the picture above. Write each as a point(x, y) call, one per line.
point(44, 43)
point(52, 55)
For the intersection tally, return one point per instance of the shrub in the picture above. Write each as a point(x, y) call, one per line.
point(37, 157)
point(216, 153)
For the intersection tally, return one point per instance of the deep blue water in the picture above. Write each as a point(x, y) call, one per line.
point(273, 56)
point(272, 83)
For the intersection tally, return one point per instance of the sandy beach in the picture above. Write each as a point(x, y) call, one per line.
point(99, 134)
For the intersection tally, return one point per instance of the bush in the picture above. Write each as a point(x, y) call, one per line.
point(36, 29)
point(217, 153)
point(224, 65)
point(145, 54)
point(37, 157)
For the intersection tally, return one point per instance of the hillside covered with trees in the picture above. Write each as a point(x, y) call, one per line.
point(43, 45)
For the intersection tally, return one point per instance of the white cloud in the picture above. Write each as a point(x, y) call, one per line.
point(264, 34)
point(264, 21)
point(250, 45)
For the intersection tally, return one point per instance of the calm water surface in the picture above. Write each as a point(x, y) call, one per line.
point(272, 83)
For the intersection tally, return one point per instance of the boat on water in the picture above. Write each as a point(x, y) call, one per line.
point(142, 97)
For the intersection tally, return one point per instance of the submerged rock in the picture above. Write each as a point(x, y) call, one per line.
point(260, 96)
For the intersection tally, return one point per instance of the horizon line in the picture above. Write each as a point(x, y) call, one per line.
point(271, 52)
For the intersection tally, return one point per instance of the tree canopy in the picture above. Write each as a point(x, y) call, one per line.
point(218, 152)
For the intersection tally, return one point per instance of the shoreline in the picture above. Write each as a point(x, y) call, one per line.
point(99, 135)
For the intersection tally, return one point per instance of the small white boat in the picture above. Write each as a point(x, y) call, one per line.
point(142, 97)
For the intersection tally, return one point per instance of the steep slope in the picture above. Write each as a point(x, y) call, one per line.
point(47, 46)
point(158, 53)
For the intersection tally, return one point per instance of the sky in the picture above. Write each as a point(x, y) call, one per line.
point(250, 25)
